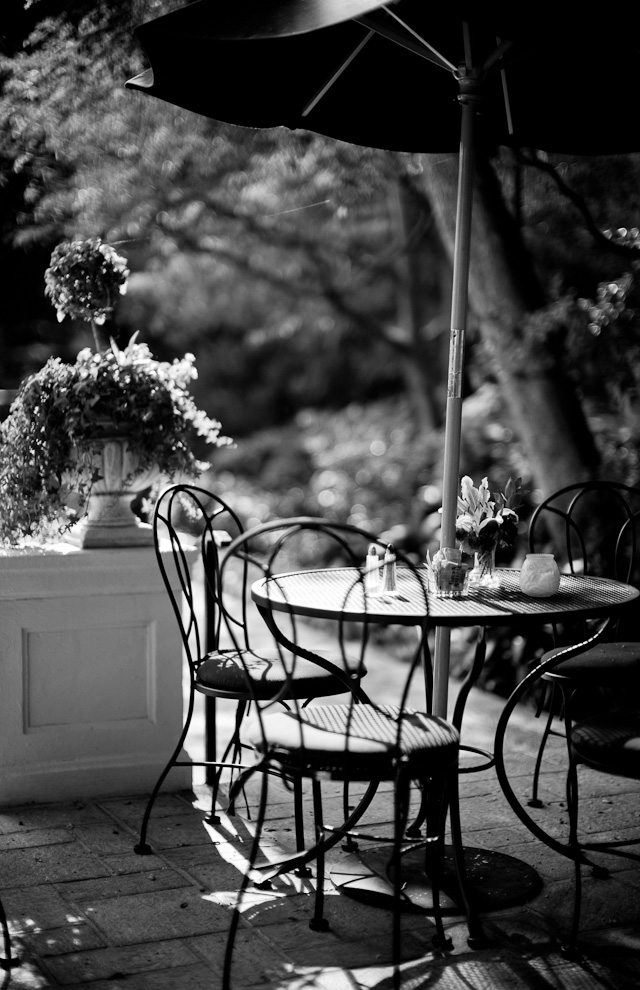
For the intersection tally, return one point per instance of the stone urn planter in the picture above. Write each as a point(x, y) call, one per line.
point(109, 520)
point(82, 439)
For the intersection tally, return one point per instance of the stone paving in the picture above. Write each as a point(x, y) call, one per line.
point(86, 911)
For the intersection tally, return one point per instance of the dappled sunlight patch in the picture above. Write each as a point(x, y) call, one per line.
point(54, 939)
point(28, 976)
point(29, 925)
point(251, 899)
point(239, 857)
point(232, 828)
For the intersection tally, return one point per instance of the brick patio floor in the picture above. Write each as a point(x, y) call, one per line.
point(86, 911)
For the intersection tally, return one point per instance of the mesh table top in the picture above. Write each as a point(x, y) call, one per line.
point(337, 592)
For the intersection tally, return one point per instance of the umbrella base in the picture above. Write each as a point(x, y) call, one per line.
point(496, 880)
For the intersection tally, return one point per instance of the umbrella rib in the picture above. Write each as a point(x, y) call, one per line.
point(335, 75)
point(424, 49)
point(466, 41)
point(497, 54)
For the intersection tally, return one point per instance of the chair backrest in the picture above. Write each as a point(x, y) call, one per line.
point(188, 518)
point(296, 617)
point(593, 528)
point(305, 570)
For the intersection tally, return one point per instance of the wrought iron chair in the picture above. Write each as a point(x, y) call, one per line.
point(608, 743)
point(356, 741)
point(215, 634)
point(8, 960)
point(593, 528)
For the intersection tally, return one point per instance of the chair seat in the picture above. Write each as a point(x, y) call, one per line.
point(364, 740)
point(611, 742)
point(601, 664)
point(261, 674)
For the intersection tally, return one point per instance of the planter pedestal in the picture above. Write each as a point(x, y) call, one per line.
point(109, 520)
point(90, 674)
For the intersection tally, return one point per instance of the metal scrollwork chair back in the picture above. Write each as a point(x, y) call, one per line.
point(363, 743)
point(593, 528)
point(192, 530)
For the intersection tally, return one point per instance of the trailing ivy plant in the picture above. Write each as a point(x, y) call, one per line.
point(63, 412)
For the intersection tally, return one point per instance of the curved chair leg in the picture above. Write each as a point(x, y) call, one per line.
point(232, 746)
point(304, 870)
point(477, 938)
point(8, 961)
point(570, 948)
point(568, 692)
point(319, 923)
point(567, 696)
point(441, 940)
point(142, 848)
point(534, 801)
point(414, 831)
point(400, 818)
point(349, 844)
point(245, 882)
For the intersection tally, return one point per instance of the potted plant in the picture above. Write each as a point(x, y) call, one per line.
point(82, 439)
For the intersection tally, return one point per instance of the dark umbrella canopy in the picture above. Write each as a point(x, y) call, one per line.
point(412, 75)
point(571, 77)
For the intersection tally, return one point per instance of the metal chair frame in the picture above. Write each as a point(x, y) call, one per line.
point(438, 783)
point(8, 961)
point(613, 847)
point(564, 506)
point(571, 848)
point(225, 616)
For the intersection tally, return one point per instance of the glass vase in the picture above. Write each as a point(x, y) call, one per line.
point(484, 575)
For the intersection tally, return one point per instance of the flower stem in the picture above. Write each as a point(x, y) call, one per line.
point(98, 338)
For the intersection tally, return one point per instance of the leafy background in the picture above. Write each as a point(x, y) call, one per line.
point(312, 282)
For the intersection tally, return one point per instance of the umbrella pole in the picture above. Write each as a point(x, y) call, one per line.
point(453, 417)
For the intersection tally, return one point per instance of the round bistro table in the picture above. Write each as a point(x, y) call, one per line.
point(332, 593)
point(497, 880)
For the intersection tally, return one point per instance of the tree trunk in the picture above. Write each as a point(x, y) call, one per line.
point(503, 294)
point(414, 371)
point(424, 299)
point(419, 332)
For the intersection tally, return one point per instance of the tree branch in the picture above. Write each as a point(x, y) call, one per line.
point(605, 242)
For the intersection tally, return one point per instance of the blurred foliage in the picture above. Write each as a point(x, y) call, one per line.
point(279, 258)
point(251, 249)
point(259, 361)
point(305, 275)
point(364, 464)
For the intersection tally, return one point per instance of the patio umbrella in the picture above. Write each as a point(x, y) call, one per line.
point(411, 75)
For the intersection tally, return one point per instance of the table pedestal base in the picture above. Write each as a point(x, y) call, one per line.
point(496, 880)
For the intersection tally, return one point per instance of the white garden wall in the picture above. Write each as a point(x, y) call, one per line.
point(90, 674)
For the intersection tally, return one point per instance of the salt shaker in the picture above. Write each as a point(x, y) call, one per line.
point(389, 586)
point(372, 572)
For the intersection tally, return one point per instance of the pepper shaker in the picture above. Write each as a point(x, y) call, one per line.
point(389, 585)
